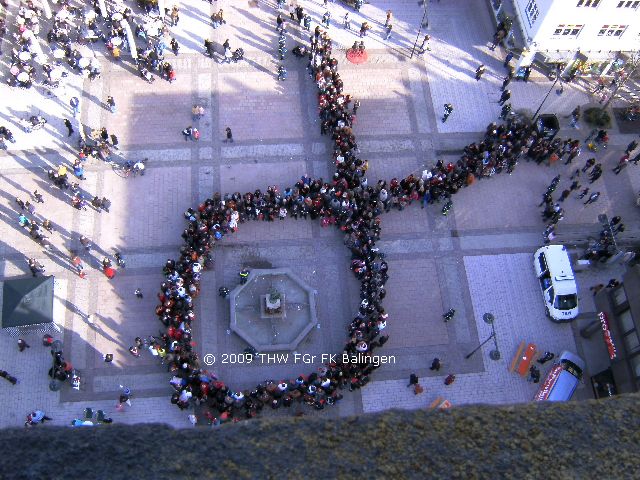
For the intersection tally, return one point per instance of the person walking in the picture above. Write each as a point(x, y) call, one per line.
point(583, 193)
point(187, 132)
point(595, 173)
point(448, 108)
point(67, 124)
point(364, 28)
point(590, 163)
point(326, 18)
point(111, 103)
point(506, 95)
point(575, 116)
point(480, 71)
point(549, 233)
point(347, 21)
point(449, 314)
point(435, 364)
point(507, 59)
point(506, 109)
point(388, 32)
point(356, 106)
point(505, 81)
point(622, 163)
point(38, 196)
point(631, 147)
point(423, 46)
point(389, 18)
point(22, 345)
point(592, 198)
point(75, 105)
point(413, 380)
point(450, 379)
point(138, 293)
point(175, 15)
point(546, 199)
point(175, 48)
point(85, 242)
point(229, 135)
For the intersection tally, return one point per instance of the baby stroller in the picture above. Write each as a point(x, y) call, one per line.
point(238, 55)
point(299, 51)
point(35, 122)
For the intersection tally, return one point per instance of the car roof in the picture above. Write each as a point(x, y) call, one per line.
point(563, 387)
point(565, 287)
point(557, 259)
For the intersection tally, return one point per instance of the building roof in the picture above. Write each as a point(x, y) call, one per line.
point(26, 301)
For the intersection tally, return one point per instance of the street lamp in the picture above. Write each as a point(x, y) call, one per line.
point(495, 353)
point(535, 115)
point(423, 23)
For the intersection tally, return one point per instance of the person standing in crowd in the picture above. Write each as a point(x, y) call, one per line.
point(506, 95)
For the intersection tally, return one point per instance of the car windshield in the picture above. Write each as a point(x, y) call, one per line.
point(572, 368)
point(566, 302)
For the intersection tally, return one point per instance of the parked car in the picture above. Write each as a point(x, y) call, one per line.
point(557, 282)
point(562, 380)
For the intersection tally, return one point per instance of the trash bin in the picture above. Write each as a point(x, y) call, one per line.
point(547, 125)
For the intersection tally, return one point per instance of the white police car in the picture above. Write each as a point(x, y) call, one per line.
point(557, 282)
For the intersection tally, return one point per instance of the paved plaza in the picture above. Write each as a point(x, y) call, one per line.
point(477, 259)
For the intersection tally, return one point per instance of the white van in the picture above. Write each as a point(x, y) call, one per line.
point(562, 379)
point(559, 289)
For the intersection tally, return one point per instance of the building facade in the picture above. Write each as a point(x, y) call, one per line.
point(583, 36)
point(618, 322)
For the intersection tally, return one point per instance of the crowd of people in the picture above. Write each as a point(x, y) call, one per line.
point(345, 201)
point(73, 28)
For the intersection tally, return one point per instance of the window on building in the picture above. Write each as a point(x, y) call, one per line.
point(619, 296)
point(568, 30)
point(626, 321)
point(631, 342)
point(532, 12)
point(629, 4)
point(588, 3)
point(612, 30)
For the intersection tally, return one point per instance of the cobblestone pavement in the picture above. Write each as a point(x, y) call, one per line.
point(476, 260)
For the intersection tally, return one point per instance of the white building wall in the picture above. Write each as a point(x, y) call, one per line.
point(553, 13)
